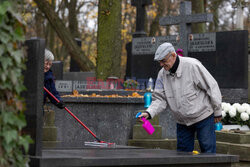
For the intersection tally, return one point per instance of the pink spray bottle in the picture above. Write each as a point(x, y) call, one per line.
point(146, 124)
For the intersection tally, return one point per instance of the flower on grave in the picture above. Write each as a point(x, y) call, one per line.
point(130, 84)
point(232, 112)
point(225, 106)
point(223, 113)
point(244, 116)
point(248, 110)
point(235, 114)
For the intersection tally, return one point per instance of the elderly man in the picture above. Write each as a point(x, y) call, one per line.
point(192, 94)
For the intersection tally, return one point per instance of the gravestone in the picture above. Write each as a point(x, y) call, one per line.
point(144, 48)
point(57, 69)
point(184, 20)
point(140, 30)
point(224, 54)
point(73, 65)
point(78, 76)
point(91, 156)
point(33, 81)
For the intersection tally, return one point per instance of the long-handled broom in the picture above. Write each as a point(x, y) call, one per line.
point(99, 142)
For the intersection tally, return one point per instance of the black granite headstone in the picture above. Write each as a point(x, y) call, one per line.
point(73, 65)
point(33, 81)
point(149, 46)
point(57, 69)
point(228, 63)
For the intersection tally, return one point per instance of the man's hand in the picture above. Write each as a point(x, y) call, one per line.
point(217, 119)
point(60, 105)
point(144, 114)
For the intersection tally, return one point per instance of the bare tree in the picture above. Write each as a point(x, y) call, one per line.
point(84, 63)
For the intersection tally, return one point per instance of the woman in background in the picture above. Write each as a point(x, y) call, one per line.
point(49, 80)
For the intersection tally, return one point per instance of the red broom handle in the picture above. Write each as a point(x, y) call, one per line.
point(72, 114)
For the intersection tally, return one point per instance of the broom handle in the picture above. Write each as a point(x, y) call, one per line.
point(72, 115)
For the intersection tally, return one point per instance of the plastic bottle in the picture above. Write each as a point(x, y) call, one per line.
point(218, 126)
point(148, 94)
point(146, 125)
point(150, 85)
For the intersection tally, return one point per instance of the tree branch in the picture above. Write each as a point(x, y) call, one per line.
point(63, 33)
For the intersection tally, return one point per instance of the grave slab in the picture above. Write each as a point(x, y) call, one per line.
point(238, 149)
point(111, 119)
point(130, 156)
point(233, 137)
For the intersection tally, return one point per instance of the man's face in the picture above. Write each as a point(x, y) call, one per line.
point(168, 62)
point(47, 65)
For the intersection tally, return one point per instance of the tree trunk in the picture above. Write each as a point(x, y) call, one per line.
point(75, 51)
point(73, 23)
point(39, 24)
point(213, 26)
point(51, 33)
point(109, 39)
point(198, 7)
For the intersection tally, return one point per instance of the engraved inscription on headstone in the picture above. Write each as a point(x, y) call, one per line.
point(63, 86)
point(79, 85)
point(148, 45)
point(144, 45)
point(203, 42)
point(171, 39)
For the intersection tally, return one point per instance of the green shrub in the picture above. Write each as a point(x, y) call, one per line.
point(13, 145)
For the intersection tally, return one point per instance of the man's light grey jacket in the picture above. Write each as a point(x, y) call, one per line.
point(192, 94)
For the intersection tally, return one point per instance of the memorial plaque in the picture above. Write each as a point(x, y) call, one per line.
point(148, 45)
point(63, 86)
point(171, 39)
point(202, 42)
point(144, 45)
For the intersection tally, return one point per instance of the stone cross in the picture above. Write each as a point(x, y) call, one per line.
point(140, 16)
point(184, 20)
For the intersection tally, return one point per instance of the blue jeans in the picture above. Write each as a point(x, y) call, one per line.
point(205, 135)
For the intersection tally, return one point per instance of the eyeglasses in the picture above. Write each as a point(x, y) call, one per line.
point(165, 59)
